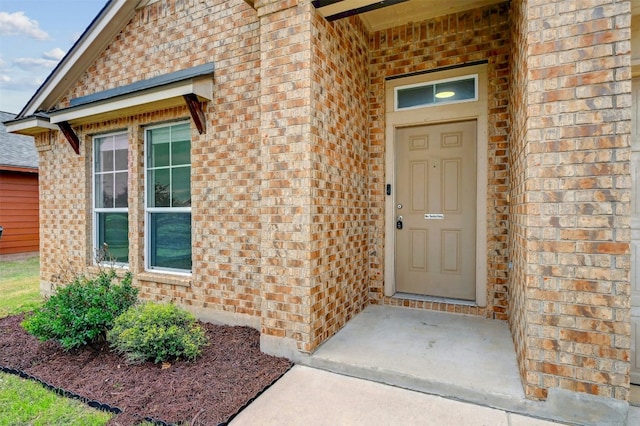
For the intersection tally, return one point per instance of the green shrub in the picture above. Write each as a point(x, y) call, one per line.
point(80, 313)
point(156, 332)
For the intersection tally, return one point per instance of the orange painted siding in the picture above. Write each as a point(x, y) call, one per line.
point(19, 212)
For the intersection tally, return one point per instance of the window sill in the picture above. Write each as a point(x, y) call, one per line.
point(184, 281)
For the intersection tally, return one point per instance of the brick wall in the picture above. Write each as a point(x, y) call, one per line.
point(480, 34)
point(570, 196)
point(518, 170)
point(339, 158)
point(63, 207)
point(225, 161)
point(287, 170)
point(314, 192)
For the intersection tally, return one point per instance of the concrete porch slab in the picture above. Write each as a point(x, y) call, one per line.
point(468, 357)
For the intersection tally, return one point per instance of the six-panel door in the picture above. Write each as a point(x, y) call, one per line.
point(435, 210)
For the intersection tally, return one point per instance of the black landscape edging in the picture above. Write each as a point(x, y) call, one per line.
point(157, 422)
point(226, 423)
point(62, 392)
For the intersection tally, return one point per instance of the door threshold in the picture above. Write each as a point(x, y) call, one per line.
point(423, 298)
point(432, 303)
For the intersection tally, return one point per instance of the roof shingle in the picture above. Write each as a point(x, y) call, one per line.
point(16, 150)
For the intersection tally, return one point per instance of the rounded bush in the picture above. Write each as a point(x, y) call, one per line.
point(80, 313)
point(156, 332)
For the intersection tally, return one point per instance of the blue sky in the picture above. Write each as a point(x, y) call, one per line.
point(34, 36)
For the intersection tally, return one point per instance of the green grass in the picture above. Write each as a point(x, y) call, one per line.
point(19, 286)
point(24, 402)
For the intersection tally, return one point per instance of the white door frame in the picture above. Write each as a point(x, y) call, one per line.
point(475, 110)
point(634, 356)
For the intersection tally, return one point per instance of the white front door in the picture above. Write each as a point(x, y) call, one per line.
point(435, 208)
point(635, 233)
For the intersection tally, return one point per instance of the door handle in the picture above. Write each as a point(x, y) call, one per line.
point(399, 222)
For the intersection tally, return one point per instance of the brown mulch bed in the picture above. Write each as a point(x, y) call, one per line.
point(229, 374)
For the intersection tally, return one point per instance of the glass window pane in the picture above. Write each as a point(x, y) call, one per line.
point(456, 90)
point(99, 147)
point(121, 159)
point(160, 135)
point(159, 147)
point(159, 188)
point(181, 132)
point(113, 237)
point(98, 199)
point(181, 187)
point(104, 191)
point(121, 189)
point(414, 96)
point(180, 153)
point(159, 156)
point(121, 152)
point(170, 240)
point(105, 161)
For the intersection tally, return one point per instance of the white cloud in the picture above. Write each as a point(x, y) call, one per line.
point(34, 63)
point(54, 54)
point(18, 23)
point(21, 84)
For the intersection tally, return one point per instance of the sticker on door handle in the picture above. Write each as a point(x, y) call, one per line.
point(399, 222)
point(430, 216)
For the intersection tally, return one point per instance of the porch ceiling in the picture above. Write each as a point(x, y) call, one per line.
point(381, 14)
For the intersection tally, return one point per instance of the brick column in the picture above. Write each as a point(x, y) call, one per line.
point(570, 191)
point(285, 99)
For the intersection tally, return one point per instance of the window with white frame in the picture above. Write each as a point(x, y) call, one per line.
point(111, 193)
point(168, 198)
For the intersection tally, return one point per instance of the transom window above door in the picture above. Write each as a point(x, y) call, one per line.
point(453, 90)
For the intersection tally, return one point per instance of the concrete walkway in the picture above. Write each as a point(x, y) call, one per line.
point(307, 396)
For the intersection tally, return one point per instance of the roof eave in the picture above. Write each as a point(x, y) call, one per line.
point(30, 126)
point(18, 169)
